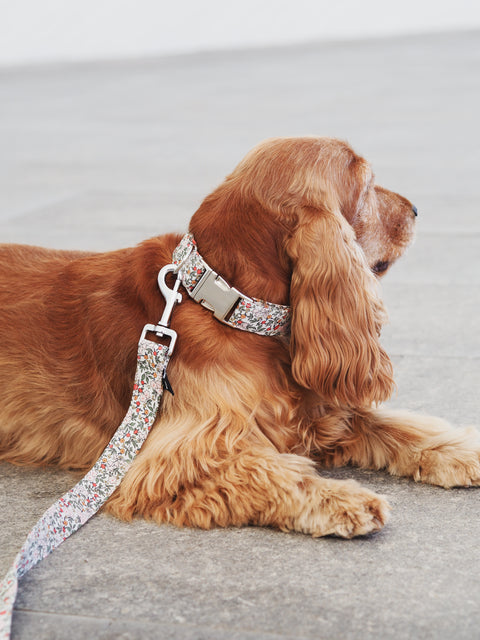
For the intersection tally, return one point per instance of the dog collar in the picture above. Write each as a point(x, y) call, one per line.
point(228, 305)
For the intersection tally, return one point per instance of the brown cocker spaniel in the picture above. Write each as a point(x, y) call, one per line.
point(299, 222)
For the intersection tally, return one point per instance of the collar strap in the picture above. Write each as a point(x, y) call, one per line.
point(228, 305)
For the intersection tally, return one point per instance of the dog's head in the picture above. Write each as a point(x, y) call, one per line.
point(300, 221)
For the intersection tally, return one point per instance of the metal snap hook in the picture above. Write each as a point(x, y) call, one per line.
point(172, 297)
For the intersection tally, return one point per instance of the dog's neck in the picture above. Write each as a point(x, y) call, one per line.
point(243, 242)
point(228, 305)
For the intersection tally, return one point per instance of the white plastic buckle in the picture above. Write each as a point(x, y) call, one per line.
point(216, 295)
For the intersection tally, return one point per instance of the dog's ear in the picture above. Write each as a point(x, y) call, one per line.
point(336, 313)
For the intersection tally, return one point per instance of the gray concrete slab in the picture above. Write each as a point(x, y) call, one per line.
point(99, 156)
point(452, 328)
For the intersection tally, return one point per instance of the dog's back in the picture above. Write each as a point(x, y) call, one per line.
point(63, 362)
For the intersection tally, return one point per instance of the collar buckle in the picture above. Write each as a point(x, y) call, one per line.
point(216, 295)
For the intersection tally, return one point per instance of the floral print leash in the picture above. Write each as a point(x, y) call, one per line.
point(79, 504)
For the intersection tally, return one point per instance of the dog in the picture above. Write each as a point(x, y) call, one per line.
point(299, 223)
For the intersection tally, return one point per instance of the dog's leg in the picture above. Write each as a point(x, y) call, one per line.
point(422, 447)
point(251, 485)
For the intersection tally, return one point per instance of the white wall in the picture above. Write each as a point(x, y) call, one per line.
point(33, 31)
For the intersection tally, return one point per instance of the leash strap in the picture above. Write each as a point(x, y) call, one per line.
point(82, 502)
point(229, 305)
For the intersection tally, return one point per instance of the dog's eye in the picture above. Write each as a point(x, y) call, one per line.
point(381, 266)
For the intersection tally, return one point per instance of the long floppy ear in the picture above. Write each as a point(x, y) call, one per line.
point(337, 314)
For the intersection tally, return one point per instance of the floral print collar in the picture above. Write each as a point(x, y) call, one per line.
point(237, 310)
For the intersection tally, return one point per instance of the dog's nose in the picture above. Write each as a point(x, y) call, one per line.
point(415, 210)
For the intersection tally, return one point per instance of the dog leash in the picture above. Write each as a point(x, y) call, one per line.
point(79, 504)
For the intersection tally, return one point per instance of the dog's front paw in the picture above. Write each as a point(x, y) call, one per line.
point(452, 463)
point(356, 511)
point(346, 509)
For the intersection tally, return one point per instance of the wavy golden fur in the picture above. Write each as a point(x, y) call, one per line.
point(300, 221)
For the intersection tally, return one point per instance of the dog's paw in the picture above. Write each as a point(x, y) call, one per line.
point(346, 510)
point(454, 463)
point(356, 511)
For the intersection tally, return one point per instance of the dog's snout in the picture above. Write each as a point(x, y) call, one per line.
point(415, 210)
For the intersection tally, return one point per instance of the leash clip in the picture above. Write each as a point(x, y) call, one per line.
point(172, 297)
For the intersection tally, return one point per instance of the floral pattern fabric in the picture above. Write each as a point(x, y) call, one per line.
point(80, 503)
point(250, 314)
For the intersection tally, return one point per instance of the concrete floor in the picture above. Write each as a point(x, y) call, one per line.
point(100, 156)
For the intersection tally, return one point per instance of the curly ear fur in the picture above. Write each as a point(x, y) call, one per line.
point(337, 314)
